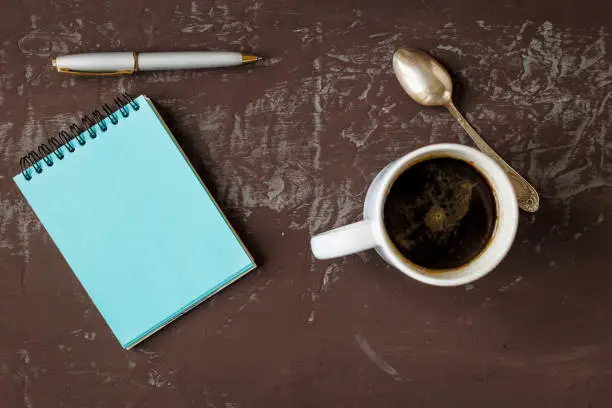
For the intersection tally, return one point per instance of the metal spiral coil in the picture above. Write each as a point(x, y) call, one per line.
point(53, 148)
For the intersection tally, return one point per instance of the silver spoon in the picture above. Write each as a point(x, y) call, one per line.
point(429, 84)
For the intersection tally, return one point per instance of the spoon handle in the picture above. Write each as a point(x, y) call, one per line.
point(526, 195)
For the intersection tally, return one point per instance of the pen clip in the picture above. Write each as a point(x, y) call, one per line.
point(89, 73)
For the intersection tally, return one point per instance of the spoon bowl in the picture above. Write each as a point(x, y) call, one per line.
point(422, 77)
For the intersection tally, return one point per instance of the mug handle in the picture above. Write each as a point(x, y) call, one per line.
point(344, 240)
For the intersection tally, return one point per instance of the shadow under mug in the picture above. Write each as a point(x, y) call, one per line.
point(371, 232)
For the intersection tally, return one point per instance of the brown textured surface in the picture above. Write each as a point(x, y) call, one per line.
point(288, 150)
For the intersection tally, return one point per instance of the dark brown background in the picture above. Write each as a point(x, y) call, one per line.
point(289, 149)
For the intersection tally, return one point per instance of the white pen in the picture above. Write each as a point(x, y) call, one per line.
point(117, 63)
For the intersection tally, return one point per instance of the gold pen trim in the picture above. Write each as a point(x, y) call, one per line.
point(86, 73)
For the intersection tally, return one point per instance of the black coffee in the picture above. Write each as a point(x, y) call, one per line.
point(440, 213)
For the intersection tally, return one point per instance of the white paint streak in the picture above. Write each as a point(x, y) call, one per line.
point(311, 316)
point(363, 344)
point(329, 276)
point(317, 111)
point(43, 43)
point(89, 335)
point(515, 281)
point(252, 298)
point(25, 356)
point(451, 48)
point(339, 207)
point(156, 379)
point(27, 400)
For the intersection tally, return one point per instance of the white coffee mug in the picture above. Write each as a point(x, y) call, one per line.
point(371, 233)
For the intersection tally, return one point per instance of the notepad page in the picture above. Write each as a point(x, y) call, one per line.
point(136, 225)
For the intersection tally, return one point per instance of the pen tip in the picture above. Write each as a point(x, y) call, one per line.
point(250, 58)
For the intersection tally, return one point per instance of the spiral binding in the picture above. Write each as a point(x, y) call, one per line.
point(67, 139)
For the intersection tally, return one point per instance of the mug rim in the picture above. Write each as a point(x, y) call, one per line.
point(503, 234)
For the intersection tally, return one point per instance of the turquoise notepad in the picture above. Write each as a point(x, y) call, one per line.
point(135, 222)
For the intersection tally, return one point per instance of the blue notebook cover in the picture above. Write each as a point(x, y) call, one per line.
point(135, 223)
